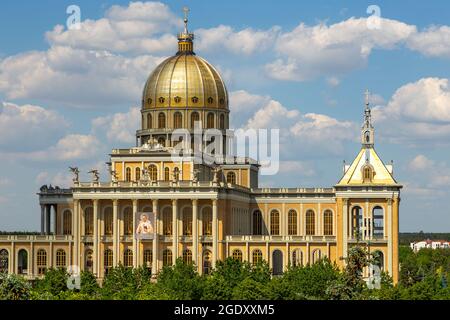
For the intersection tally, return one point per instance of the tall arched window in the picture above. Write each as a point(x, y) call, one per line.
point(310, 223)
point(237, 255)
point(153, 172)
point(257, 223)
point(207, 221)
point(275, 223)
point(22, 264)
point(41, 261)
point(167, 221)
point(187, 256)
point(89, 260)
point(194, 118)
point(67, 222)
point(108, 260)
point(108, 220)
point(88, 221)
point(378, 222)
point(277, 262)
point(357, 221)
point(210, 120)
point(256, 256)
point(4, 261)
point(148, 258)
point(167, 257)
point(149, 121)
point(222, 121)
point(367, 173)
point(176, 173)
point(378, 258)
point(292, 222)
point(297, 258)
point(231, 177)
point(316, 256)
point(60, 258)
point(177, 120)
point(128, 221)
point(328, 223)
point(161, 120)
point(128, 258)
point(187, 221)
point(166, 174)
point(137, 174)
point(128, 174)
point(207, 262)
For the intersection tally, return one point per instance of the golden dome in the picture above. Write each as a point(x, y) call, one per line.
point(185, 80)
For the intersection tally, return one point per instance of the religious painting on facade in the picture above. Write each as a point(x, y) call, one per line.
point(145, 228)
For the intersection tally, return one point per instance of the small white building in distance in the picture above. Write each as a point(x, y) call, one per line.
point(433, 244)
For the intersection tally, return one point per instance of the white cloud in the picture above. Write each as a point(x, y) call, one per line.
point(119, 127)
point(420, 163)
point(62, 180)
point(433, 41)
point(297, 167)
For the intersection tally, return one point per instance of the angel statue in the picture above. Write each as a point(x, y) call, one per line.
point(195, 174)
point(216, 175)
point(114, 176)
point(76, 174)
point(95, 175)
point(145, 174)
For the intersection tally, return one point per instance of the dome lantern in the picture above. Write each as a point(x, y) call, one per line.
point(185, 39)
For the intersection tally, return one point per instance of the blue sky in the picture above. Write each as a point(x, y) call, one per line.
point(68, 96)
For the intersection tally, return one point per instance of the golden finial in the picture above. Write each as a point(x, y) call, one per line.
point(185, 39)
point(186, 12)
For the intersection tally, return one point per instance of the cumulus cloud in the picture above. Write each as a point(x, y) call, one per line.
point(119, 127)
point(433, 41)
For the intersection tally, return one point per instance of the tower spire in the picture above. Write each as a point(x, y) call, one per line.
point(185, 39)
point(367, 130)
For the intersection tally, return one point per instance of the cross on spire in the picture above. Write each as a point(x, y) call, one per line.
point(367, 97)
point(186, 13)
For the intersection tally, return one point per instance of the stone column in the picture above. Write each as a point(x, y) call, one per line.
point(135, 243)
point(42, 219)
point(195, 231)
point(47, 218)
point(345, 228)
point(390, 236)
point(55, 218)
point(115, 234)
point(155, 249)
point(75, 232)
point(174, 230)
point(95, 239)
point(214, 233)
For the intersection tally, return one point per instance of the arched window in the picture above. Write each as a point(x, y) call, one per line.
point(167, 221)
point(194, 118)
point(277, 262)
point(210, 120)
point(67, 222)
point(257, 222)
point(328, 223)
point(108, 260)
point(292, 222)
point(60, 258)
point(148, 259)
point(187, 221)
point(176, 173)
point(161, 121)
point(257, 256)
point(137, 174)
point(316, 256)
point(167, 257)
point(108, 220)
point(166, 174)
point(88, 221)
point(378, 258)
point(297, 258)
point(207, 221)
point(275, 223)
point(378, 222)
point(177, 120)
point(128, 258)
point(187, 256)
point(128, 174)
point(4, 261)
point(207, 262)
point(22, 264)
point(222, 121)
point(153, 172)
point(89, 260)
point(237, 255)
point(149, 121)
point(41, 261)
point(357, 222)
point(231, 177)
point(310, 223)
point(367, 174)
point(128, 221)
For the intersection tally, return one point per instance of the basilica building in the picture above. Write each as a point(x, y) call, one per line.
point(204, 211)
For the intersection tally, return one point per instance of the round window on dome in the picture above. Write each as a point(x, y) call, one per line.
point(210, 100)
point(221, 101)
point(177, 99)
point(194, 99)
point(161, 100)
point(149, 100)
